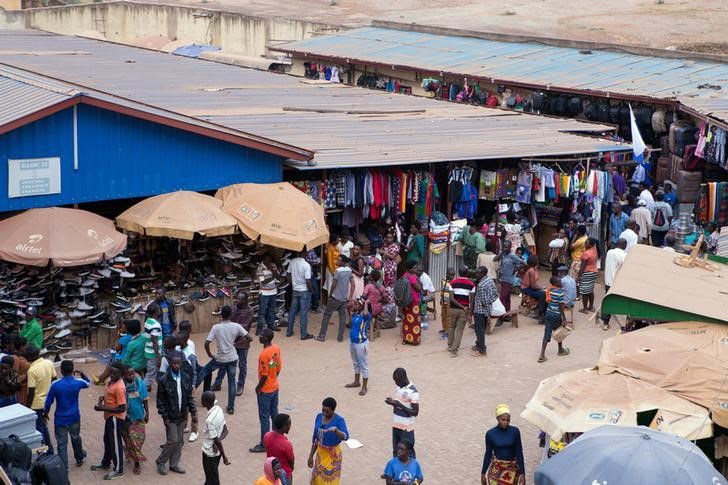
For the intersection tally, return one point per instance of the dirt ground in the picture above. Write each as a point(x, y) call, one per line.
point(458, 399)
point(689, 24)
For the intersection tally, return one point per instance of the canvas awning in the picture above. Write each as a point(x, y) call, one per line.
point(650, 285)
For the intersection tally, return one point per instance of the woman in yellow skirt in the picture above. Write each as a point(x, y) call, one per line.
point(325, 457)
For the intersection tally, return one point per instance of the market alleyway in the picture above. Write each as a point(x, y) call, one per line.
point(458, 398)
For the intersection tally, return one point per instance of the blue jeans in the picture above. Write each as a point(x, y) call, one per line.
point(205, 374)
point(300, 302)
point(267, 311)
point(42, 428)
point(315, 292)
point(62, 431)
point(267, 411)
point(242, 368)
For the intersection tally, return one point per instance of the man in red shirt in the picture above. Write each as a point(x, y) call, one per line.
point(277, 445)
point(460, 290)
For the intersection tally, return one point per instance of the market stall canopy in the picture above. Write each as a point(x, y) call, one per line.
point(279, 214)
point(577, 401)
point(689, 359)
point(179, 215)
point(634, 454)
point(63, 237)
point(650, 285)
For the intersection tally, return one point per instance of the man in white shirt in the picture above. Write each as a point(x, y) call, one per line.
point(428, 289)
point(213, 432)
point(646, 195)
point(638, 178)
point(299, 276)
point(345, 245)
point(226, 356)
point(406, 407)
point(615, 258)
point(630, 234)
point(643, 217)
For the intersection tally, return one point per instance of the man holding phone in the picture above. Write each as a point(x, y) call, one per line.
point(67, 418)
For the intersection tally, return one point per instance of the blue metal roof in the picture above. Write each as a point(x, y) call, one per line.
point(526, 63)
point(194, 50)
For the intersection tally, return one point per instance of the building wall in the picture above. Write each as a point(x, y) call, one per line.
point(123, 157)
point(153, 26)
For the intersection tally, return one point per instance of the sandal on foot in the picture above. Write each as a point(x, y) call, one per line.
point(541, 360)
point(566, 351)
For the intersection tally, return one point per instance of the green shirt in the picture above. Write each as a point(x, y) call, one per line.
point(33, 333)
point(418, 249)
point(134, 355)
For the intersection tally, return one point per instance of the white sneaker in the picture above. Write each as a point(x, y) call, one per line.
point(193, 437)
point(77, 314)
point(83, 306)
point(126, 274)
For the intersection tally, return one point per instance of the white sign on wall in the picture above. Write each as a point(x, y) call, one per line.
point(34, 176)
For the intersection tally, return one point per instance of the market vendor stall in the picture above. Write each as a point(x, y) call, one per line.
point(650, 285)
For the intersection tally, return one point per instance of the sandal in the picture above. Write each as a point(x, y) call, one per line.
point(566, 351)
point(605, 327)
point(541, 360)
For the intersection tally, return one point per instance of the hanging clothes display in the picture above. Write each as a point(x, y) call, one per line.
point(488, 185)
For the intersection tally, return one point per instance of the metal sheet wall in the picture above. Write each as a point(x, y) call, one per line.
point(123, 157)
point(438, 264)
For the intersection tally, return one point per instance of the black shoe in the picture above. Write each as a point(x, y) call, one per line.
point(499, 323)
point(308, 336)
point(231, 411)
point(216, 387)
point(80, 462)
point(289, 334)
point(276, 329)
point(259, 448)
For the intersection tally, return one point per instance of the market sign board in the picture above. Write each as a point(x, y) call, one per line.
point(34, 176)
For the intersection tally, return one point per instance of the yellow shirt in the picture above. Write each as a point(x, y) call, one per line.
point(40, 375)
point(577, 249)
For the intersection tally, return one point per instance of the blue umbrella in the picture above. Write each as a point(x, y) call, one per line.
point(615, 455)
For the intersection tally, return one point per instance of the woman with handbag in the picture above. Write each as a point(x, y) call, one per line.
point(555, 317)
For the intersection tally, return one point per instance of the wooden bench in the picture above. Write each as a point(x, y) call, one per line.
point(514, 321)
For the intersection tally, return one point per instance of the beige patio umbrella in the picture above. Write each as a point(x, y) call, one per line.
point(689, 359)
point(577, 401)
point(179, 215)
point(63, 237)
point(279, 214)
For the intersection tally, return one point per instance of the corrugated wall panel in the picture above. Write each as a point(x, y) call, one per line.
point(125, 157)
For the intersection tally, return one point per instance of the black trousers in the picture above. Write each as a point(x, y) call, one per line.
point(211, 464)
point(113, 445)
point(399, 435)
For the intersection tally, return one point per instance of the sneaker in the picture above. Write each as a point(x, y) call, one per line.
point(307, 337)
point(100, 466)
point(193, 437)
point(178, 469)
point(80, 462)
point(161, 468)
point(126, 274)
point(77, 314)
point(453, 353)
point(113, 475)
point(84, 307)
point(231, 411)
point(259, 448)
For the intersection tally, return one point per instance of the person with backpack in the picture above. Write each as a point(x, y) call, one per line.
point(407, 296)
point(340, 295)
point(661, 219)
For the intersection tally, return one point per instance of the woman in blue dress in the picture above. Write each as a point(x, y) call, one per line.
point(325, 457)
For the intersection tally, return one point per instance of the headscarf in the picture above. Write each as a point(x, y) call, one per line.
point(268, 470)
point(502, 409)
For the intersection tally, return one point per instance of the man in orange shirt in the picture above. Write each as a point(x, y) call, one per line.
point(269, 366)
point(113, 405)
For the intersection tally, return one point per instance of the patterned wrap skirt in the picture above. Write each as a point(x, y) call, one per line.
point(586, 283)
point(327, 465)
point(411, 324)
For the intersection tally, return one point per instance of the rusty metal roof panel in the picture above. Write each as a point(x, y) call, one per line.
point(21, 97)
point(531, 63)
point(344, 126)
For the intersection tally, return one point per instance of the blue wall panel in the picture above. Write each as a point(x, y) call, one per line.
point(124, 157)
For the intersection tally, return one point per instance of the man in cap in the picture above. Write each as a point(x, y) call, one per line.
point(643, 217)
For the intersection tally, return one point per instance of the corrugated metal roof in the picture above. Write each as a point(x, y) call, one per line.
point(530, 63)
point(345, 126)
point(710, 107)
point(22, 96)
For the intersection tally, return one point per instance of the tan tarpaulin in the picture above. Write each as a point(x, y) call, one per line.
point(179, 215)
point(689, 359)
point(65, 237)
point(279, 214)
point(577, 401)
point(650, 275)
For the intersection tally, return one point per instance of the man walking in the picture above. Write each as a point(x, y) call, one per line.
point(174, 402)
point(67, 418)
point(278, 446)
point(214, 431)
point(643, 217)
point(113, 405)
point(269, 367)
point(167, 318)
point(267, 274)
point(243, 316)
point(460, 293)
point(485, 294)
point(661, 219)
point(225, 334)
point(40, 375)
point(341, 291)
point(299, 276)
point(152, 344)
point(630, 234)
point(406, 407)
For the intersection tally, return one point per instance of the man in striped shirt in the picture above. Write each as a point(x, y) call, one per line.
point(555, 299)
point(460, 289)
